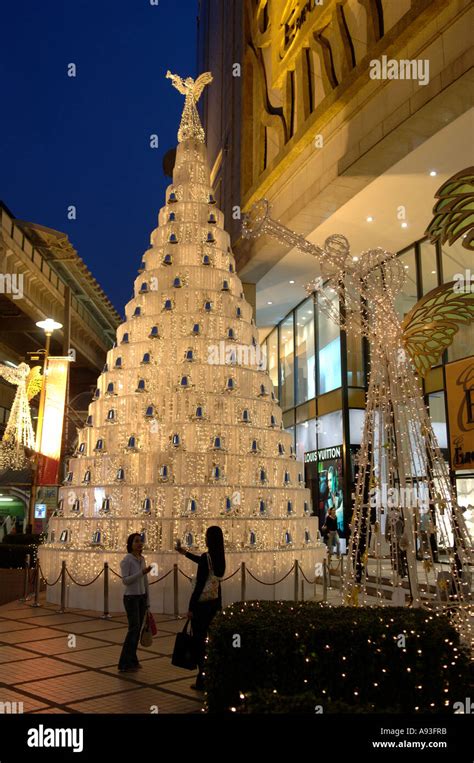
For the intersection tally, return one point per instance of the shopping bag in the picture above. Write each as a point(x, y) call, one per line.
point(146, 636)
point(152, 624)
point(184, 653)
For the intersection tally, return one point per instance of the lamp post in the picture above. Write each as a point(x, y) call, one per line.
point(49, 325)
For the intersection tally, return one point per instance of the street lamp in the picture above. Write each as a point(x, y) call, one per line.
point(49, 325)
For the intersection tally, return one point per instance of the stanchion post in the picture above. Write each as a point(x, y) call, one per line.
point(37, 584)
point(27, 578)
point(106, 615)
point(296, 579)
point(175, 590)
point(302, 590)
point(243, 581)
point(325, 581)
point(63, 588)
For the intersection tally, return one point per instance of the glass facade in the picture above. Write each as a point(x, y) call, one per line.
point(305, 352)
point(437, 409)
point(305, 438)
point(272, 357)
point(408, 296)
point(429, 267)
point(287, 363)
point(329, 349)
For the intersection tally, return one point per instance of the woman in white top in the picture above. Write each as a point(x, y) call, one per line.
point(136, 600)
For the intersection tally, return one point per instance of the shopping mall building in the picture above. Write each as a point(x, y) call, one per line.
point(348, 117)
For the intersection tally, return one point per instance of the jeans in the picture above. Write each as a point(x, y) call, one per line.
point(203, 614)
point(135, 606)
point(333, 538)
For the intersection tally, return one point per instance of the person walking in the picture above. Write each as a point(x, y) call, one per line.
point(333, 536)
point(136, 600)
point(206, 599)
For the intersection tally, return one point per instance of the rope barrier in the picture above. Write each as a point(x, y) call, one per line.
point(189, 577)
point(45, 579)
point(162, 577)
point(275, 582)
point(311, 582)
point(84, 584)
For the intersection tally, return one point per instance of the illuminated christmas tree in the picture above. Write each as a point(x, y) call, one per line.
point(184, 430)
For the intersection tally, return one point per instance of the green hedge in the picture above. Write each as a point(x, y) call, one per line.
point(13, 556)
point(292, 658)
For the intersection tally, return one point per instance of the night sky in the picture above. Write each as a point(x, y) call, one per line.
point(85, 141)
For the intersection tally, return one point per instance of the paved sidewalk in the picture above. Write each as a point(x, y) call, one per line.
point(67, 663)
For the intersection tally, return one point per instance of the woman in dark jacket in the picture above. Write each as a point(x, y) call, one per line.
point(206, 598)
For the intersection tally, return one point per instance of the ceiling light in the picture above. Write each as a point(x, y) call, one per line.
point(370, 219)
point(406, 267)
point(404, 225)
point(433, 272)
point(433, 173)
point(291, 281)
point(269, 303)
point(355, 259)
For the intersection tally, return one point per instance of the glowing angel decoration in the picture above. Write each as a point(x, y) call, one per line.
point(190, 127)
point(19, 430)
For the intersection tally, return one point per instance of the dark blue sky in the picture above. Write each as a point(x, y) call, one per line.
point(85, 141)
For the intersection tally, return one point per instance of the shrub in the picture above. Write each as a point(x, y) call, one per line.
point(347, 659)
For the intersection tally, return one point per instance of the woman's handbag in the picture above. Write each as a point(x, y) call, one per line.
point(210, 592)
point(184, 652)
point(146, 637)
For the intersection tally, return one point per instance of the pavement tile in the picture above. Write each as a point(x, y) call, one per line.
point(154, 671)
point(8, 626)
point(29, 703)
point(60, 644)
point(139, 701)
point(29, 634)
point(69, 688)
point(10, 653)
point(182, 686)
point(55, 619)
point(104, 656)
point(88, 626)
point(25, 612)
point(42, 667)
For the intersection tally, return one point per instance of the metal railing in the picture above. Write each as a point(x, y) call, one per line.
point(34, 581)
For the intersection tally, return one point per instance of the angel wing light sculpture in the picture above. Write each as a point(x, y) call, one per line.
point(19, 433)
point(399, 454)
